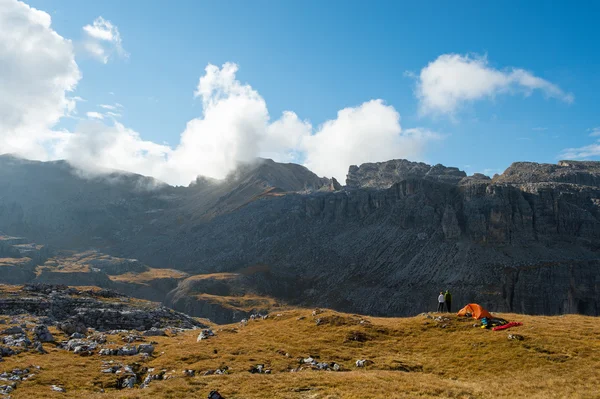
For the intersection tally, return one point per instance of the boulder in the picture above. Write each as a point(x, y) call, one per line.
point(13, 330)
point(42, 334)
point(77, 335)
point(154, 332)
point(71, 327)
point(145, 348)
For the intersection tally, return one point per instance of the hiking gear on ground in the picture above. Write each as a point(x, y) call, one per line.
point(509, 325)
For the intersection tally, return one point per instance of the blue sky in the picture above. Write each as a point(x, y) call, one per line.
point(316, 58)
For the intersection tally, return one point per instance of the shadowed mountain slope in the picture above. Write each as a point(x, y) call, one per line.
point(526, 241)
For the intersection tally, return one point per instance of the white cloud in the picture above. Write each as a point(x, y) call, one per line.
point(37, 72)
point(584, 152)
point(102, 39)
point(95, 146)
point(594, 132)
point(367, 133)
point(94, 115)
point(453, 80)
point(235, 127)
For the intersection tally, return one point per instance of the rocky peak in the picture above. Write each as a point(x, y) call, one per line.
point(383, 175)
point(585, 173)
point(288, 177)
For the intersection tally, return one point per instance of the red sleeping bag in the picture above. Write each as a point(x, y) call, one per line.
point(509, 325)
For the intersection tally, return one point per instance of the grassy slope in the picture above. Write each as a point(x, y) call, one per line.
point(560, 357)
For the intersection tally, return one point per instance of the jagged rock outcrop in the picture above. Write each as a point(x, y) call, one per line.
point(586, 173)
point(76, 310)
point(385, 174)
point(526, 241)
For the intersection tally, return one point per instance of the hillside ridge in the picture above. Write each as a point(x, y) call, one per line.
point(383, 245)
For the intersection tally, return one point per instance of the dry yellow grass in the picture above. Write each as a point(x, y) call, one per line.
point(559, 357)
point(245, 303)
point(213, 276)
point(149, 275)
point(14, 261)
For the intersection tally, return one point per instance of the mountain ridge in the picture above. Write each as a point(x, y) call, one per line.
point(382, 245)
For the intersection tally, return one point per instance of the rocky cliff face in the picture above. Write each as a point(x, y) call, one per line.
point(398, 233)
point(385, 174)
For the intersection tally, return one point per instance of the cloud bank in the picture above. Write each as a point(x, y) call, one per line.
point(39, 71)
point(37, 74)
point(453, 80)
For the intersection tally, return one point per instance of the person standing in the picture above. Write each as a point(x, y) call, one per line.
point(448, 301)
point(441, 302)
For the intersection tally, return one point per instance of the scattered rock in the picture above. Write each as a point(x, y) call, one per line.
point(205, 334)
point(132, 338)
point(128, 382)
point(57, 388)
point(215, 395)
point(79, 346)
point(259, 369)
point(127, 351)
point(189, 373)
point(71, 327)
point(5, 351)
point(331, 366)
point(224, 370)
point(363, 363)
point(18, 340)
point(39, 347)
point(152, 377)
point(145, 348)
point(42, 334)
point(154, 332)
point(13, 330)
point(516, 337)
point(77, 335)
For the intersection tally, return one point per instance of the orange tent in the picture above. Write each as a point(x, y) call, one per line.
point(476, 311)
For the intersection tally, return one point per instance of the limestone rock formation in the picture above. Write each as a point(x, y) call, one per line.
point(385, 174)
point(399, 232)
point(75, 311)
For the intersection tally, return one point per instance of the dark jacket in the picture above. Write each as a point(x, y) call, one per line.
point(448, 297)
